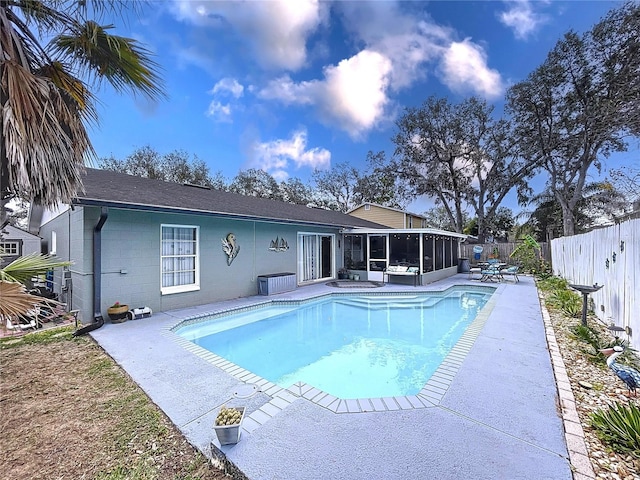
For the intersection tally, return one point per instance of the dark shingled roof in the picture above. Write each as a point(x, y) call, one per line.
point(119, 190)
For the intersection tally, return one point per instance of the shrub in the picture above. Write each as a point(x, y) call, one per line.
point(591, 338)
point(552, 283)
point(542, 270)
point(527, 254)
point(565, 300)
point(619, 427)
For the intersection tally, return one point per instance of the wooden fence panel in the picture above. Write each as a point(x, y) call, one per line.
point(609, 257)
point(504, 250)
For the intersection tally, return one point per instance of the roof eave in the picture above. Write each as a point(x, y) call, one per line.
point(209, 213)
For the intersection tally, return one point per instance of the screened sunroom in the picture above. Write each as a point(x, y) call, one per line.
point(434, 253)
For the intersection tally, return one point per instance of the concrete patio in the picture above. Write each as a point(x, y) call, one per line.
point(497, 418)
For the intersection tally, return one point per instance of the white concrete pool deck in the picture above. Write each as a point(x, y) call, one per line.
point(496, 412)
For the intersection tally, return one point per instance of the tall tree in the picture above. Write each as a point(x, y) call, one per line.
point(437, 217)
point(344, 187)
point(627, 181)
point(256, 183)
point(600, 204)
point(459, 155)
point(51, 53)
point(580, 104)
point(336, 187)
point(174, 166)
point(293, 190)
point(379, 184)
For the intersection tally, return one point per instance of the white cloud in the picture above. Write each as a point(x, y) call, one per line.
point(409, 39)
point(225, 88)
point(228, 85)
point(276, 30)
point(221, 112)
point(398, 44)
point(275, 157)
point(353, 94)
point(521, 18)
point(464, 68)
point(355, 91)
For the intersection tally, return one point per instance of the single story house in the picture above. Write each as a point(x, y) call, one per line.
point(162, 245)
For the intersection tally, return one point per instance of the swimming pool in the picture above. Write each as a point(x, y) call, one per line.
point(350, 346)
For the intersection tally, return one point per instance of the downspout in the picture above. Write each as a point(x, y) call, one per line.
point(98, 321)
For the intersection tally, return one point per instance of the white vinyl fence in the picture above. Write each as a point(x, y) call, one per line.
point(609, 256)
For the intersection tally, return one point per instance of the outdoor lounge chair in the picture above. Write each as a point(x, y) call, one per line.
point(513, 271)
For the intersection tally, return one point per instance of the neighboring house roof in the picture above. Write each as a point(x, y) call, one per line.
point(11, 231)
point(119, 190)
point(387, 208)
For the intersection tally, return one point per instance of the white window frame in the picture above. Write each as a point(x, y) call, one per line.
point(54, 243)
point(186, 287)
point(10, 247)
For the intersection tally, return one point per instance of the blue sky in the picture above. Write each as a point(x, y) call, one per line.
point(289, 86)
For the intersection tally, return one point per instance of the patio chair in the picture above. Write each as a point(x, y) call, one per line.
point(491, 274)
point(475, 271)
point(512, 271)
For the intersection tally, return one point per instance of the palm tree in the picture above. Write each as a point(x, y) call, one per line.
point(16, 300)
point(45, 99)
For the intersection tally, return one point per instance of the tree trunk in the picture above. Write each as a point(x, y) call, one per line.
point(568, 221)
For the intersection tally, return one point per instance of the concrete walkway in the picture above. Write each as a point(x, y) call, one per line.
point(498, 417)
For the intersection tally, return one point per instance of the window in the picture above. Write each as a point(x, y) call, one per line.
point(54, 243)
point(404, 249)
point(355, 253)
point(448, 259)
point(179, 259)
point(10, 247)
point(367, 207)
point(439, 251)
point(315, 256)
point(428, 253)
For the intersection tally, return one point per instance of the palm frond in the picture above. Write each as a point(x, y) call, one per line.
point(23, 269)
point(39, 115)
point(15, 300)
point(123, 62)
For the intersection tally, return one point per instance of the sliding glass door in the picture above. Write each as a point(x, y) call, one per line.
point(315, 256)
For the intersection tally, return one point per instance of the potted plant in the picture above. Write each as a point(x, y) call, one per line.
point(343, 273)
point(118, 312)
point(227, 424)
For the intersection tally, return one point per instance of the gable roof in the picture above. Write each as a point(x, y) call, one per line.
point(417, 215)
point(119, 190)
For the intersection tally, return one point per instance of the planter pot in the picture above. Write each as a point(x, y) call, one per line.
point(351, 276)
point(343, 276)
point(356, 277)
point(118, 314)
point(229, 434)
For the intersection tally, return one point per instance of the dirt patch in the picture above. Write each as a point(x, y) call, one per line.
point(68, 411)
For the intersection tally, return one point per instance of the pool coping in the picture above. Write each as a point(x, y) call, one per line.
point(429, 396)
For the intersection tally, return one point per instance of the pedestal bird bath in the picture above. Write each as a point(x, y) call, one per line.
point(585, 290)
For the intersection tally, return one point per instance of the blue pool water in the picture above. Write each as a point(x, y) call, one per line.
point(355, 346)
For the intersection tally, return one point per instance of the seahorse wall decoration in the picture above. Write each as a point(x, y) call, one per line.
point(230, 247)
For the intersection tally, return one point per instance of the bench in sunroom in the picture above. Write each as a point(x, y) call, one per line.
point(402, 271)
